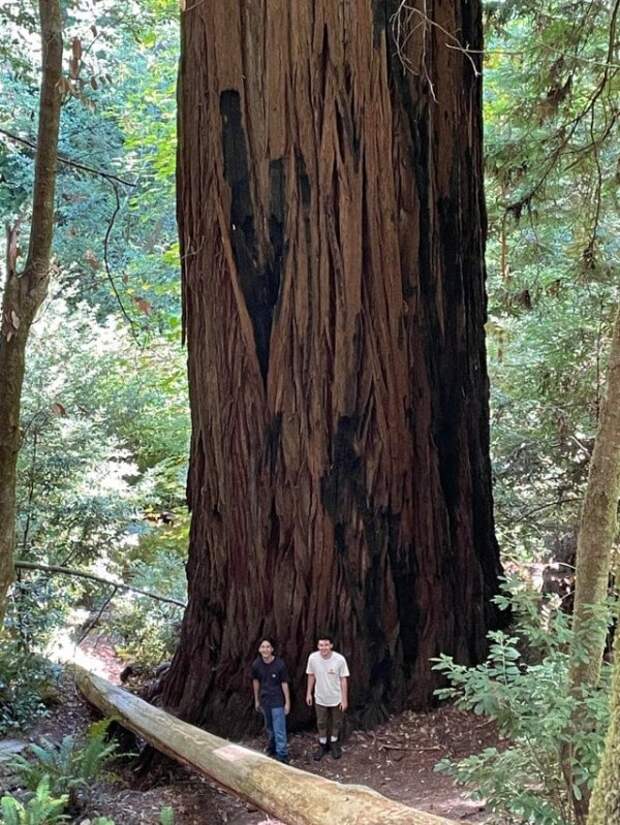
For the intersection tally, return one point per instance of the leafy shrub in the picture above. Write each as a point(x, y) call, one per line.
point(67, 767)
point(148, 630)
point(523, 687)
point(25, 679)
point(41, 809)
point(44, 809)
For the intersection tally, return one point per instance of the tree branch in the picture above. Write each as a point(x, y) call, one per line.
point(517, 206)
point(82, 574)
point(93, 623)
point(106, 261)
point(76, 164)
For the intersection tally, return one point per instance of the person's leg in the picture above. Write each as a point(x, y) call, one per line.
point(278, 721)
point(321, 724)
point(271, 742)
point(336, 731)
point(330, 724)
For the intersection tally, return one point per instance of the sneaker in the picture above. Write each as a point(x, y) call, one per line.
point(320, 752)
point(284, 759)
point(269, 751)
point(336, 750)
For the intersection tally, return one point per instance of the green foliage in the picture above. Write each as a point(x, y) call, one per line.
point(553, 254)
point(103, 439)
point(68, 766)
point(25, 679)
point(166, 816)
point(148, 630)
point(104, 454)
point(523, 687)
point(41, 809)
point(44, 809)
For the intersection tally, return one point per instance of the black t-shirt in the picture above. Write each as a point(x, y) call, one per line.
point(270, 677)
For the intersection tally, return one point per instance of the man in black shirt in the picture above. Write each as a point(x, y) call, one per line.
point(272, 697)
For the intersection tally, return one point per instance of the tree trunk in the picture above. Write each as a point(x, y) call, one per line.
point(24, 293)
point(332, 226)
point(605, 804)
point(597, 532)
point(293, 796)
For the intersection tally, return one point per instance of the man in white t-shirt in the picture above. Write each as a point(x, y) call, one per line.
point(327, 676)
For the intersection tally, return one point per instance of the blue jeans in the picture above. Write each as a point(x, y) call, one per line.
point(275, 725)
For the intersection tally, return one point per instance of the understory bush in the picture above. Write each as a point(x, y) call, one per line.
point(523, 687)
point(55, 775)
point(26, 682)
point(44, 809)
point(41, 809)
point(148, 630)
point(69, 766)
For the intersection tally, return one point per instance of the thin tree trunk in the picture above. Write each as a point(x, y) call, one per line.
point(598, 530)
point(605, 804)
point(332, 226)
point(597, 533)
point(25, 291)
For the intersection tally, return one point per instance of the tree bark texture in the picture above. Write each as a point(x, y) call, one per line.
point(25, 291)
point(332, 228)
point(605, 804)
point(597, 532)
point(292, 795)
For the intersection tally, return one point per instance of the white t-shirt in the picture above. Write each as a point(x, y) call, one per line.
point(328, 673)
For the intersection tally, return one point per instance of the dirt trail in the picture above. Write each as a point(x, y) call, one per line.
point(396, 759)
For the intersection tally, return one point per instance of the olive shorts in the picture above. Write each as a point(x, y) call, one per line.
point(328, 720)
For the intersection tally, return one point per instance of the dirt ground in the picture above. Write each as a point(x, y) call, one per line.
point(396, 759)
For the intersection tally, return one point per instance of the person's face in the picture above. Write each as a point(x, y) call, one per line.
point(265, 649)
point(325, 648)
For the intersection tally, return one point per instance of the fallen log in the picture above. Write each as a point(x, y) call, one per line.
point(293, 796)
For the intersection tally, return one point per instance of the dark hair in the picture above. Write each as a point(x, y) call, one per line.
point(269, 639)
point(327, 637)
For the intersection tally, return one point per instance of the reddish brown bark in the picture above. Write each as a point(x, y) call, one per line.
point(332, 226)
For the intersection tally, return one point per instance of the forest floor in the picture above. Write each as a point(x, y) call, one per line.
point(397, 759)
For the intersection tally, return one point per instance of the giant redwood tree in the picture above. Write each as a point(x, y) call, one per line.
point(332, 228)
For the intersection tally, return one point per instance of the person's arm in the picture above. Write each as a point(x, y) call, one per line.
point(256, 686)
point(287, 697)
point(344, 693)
point(310, 688)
